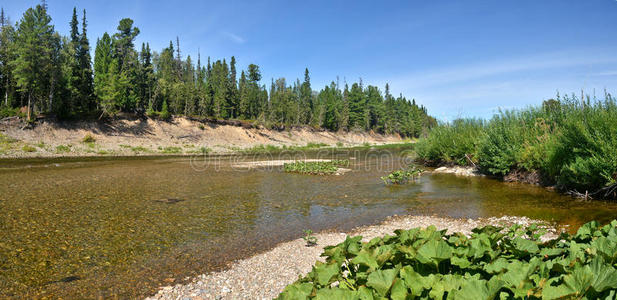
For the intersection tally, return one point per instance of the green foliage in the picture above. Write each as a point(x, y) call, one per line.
point(452, 143)
point(28, 148)
point(571, 143)
point(88, 138)
point(402, 176)
point(63, 149)
point(309, 238)
point(169, 150)
point(492, 263)
point(165, 115)
point(315, 167)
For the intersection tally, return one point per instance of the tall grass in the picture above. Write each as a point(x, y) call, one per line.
point(571, 142)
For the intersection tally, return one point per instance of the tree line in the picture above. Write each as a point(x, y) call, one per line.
point(46, 72)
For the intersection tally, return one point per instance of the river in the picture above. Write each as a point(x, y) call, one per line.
point(122, 227)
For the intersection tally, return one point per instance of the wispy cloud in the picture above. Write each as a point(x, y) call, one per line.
point(461, 73)
point(234, 37)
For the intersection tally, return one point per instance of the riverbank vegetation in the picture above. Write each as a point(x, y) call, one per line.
point(492, 263)
point(44, 72)
point(569, 142)
point(316, 167)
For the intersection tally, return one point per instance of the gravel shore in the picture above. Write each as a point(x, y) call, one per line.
point(265, 275)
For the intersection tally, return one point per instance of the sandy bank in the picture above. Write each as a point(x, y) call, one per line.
point(265, 275)
point(180, 135)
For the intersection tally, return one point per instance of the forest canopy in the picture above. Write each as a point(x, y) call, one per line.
point(44, 72)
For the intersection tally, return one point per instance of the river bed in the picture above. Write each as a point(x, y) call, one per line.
point(105, 228)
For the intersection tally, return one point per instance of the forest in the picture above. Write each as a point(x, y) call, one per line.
point(45, 73)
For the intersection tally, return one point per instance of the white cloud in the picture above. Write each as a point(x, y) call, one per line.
point(234, 37)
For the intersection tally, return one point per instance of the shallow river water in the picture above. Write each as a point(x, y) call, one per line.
point(114, 228)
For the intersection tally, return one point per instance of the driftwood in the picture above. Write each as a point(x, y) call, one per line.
point(608, 192)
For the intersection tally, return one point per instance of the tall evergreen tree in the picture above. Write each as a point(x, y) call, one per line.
point(85, 64)
point(33, 55)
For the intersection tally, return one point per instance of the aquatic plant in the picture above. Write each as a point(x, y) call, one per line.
point(491, 263)
point(402, 176)
point(316, 167)
point(169, 150)
point(309, 238)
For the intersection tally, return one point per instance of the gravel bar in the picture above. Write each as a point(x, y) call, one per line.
point(265, 275)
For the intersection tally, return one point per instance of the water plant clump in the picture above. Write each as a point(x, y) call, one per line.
point(316, 167)
point(491, 263)
point(402, 176)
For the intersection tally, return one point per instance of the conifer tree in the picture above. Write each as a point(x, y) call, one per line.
point(33, 52)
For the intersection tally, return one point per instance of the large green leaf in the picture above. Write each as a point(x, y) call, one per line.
point(434, 252)
point(382, 280)
point(325, 272)
point(296, 291)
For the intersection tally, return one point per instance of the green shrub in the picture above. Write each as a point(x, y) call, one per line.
point(452, 143)
point(569, 142)
point(492, 263)
point(63, 148)
point(88, 139)
point(28, 148)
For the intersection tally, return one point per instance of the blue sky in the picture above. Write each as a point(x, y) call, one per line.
point(458, 58)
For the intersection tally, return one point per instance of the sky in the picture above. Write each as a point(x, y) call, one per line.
point(457, 58)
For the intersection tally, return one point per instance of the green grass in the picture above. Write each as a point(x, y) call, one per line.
point(63, 149)
point(491, 263)
point(571, 143)
point(140, 149)
point(170, 150)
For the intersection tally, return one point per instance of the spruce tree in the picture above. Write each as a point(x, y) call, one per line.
point(86, 89)
point(33, 53)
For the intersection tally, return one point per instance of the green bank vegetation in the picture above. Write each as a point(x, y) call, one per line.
point(316, 167)
point(492, 263)
point(570, 142)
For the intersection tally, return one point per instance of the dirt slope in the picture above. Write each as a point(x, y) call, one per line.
point(148, 136)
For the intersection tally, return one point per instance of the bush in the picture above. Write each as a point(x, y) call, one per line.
point(492, 263)
point(63, 149)
point(28, 148)
point(88, 139)
point(452, 143)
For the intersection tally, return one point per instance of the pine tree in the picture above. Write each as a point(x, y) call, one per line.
point(233, 88)
point(103, 57)
point(7, 40)
point(86, 85)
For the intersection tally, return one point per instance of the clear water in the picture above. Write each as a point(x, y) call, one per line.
point(101, 228)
